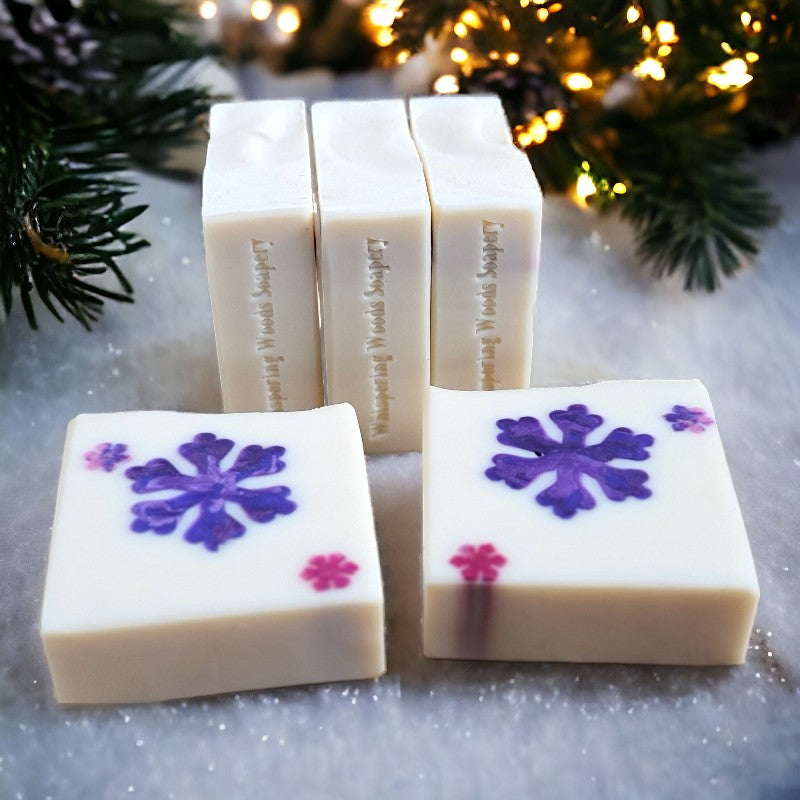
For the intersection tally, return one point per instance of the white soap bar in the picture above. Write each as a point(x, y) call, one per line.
point(194, 554)
point(487, 209)
point(374, 258)
point(595, 523)
point(258, 226)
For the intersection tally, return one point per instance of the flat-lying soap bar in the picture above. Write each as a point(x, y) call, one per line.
point(374, 258)
point(258, 227)
point(487, 209)
point(596, 523)
point(195, 553)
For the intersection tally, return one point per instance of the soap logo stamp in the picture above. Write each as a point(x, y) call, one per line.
point(683, 418)
point(485, 322)
point(380, 360)
point(332, 571)
point(212, 489)
point(572, 460)
point(106, 456)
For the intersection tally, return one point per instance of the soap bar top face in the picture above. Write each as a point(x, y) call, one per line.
point(258, 227)
point(469, 155)
point(259, 158)
point(366, 160)
point(374, 248)
point(487, 210)
point(211, 527)
point(562, 501)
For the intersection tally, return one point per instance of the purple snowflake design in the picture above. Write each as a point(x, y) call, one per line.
point(571, 459)
point(212, 489)
point(695, 419)
point(106, 456)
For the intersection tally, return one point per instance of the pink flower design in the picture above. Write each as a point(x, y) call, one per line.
point(106, 456)
point(327, 572)
point(478, 563)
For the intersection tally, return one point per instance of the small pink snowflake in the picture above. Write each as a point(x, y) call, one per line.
point(106, 456)
point(478, 563)
point(693, 419)
point(327, 572)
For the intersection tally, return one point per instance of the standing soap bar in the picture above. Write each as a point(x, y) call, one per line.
point(487, 209)
point(197, 553)
point(374, 256)
point(259, 238)
point(595, 523)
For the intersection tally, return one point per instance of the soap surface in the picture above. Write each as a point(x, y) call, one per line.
point(596, 523)
point(258, 228)
point(487, 209)
point(194, 554)
point(374, 258)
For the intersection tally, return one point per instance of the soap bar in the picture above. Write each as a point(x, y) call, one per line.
point(487, 209)
point(258, 226)
point(195, 554)
point(374, 257)
point(595, 523)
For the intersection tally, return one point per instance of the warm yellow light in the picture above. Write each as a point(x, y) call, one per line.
point(632, 14)
point(512, 59)
point(620, 188)
point(577, 81)
point(403, 56)
point(505, 23)
point(384, 37)
point(665, 31)
point(752, 57)
point(260, 9)
point(664, 50)
point(446, 84)
point(381, 16)
point(494, 55)
point(757, 26)
point(535, 133)
point(584, 187)
point(207, 9)
point(746, 18)
point(288, 19)
point(555, 8)
point(524, 3)
point(726, 48)
point(647, 34)
point(471, 18)
point(732, 74)
point(650, 68)
point(554, 118)
point(459, 55)
point(542, 14)
point(460, 30)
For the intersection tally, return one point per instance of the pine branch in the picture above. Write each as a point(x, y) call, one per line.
point(82, 104)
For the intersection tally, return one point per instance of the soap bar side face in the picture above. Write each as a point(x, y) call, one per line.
point(177, 535)
point(259, 241)
point(579, 524)
point(486, 241)
point(374, 256)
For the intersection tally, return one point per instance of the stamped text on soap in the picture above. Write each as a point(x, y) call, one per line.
point(485, 321)
point(380, 359)
point(266, 339)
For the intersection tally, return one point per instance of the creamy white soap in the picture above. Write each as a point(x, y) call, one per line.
point(374, 259)
point(487, 209)
point(194, 554)
point(595, 523)
point(259, 240)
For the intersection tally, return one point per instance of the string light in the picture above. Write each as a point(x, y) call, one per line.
point(555, 8)
point(726, 48)
point(585, 187)
point(746, 18)
point(664, 50)
point(403, 56)
point(459, 55)
point(207, 9)
point(757, 26)
point(665, 31)
point(383, 13)
point(554, 118)
point(446, 84)
point(505, 23)
point(460, 29)
point(260, 9)
point(512, 59)
point(732, 74)
point(471, 18)
point(632, 14)
point(647, 34)
point(384, 37)
point(577, 81)
point(620, 188)
point(542, 14)
point(650, 68)
point(535, 132)
point(494, 55)
point(288, 19)
point(752, 57)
